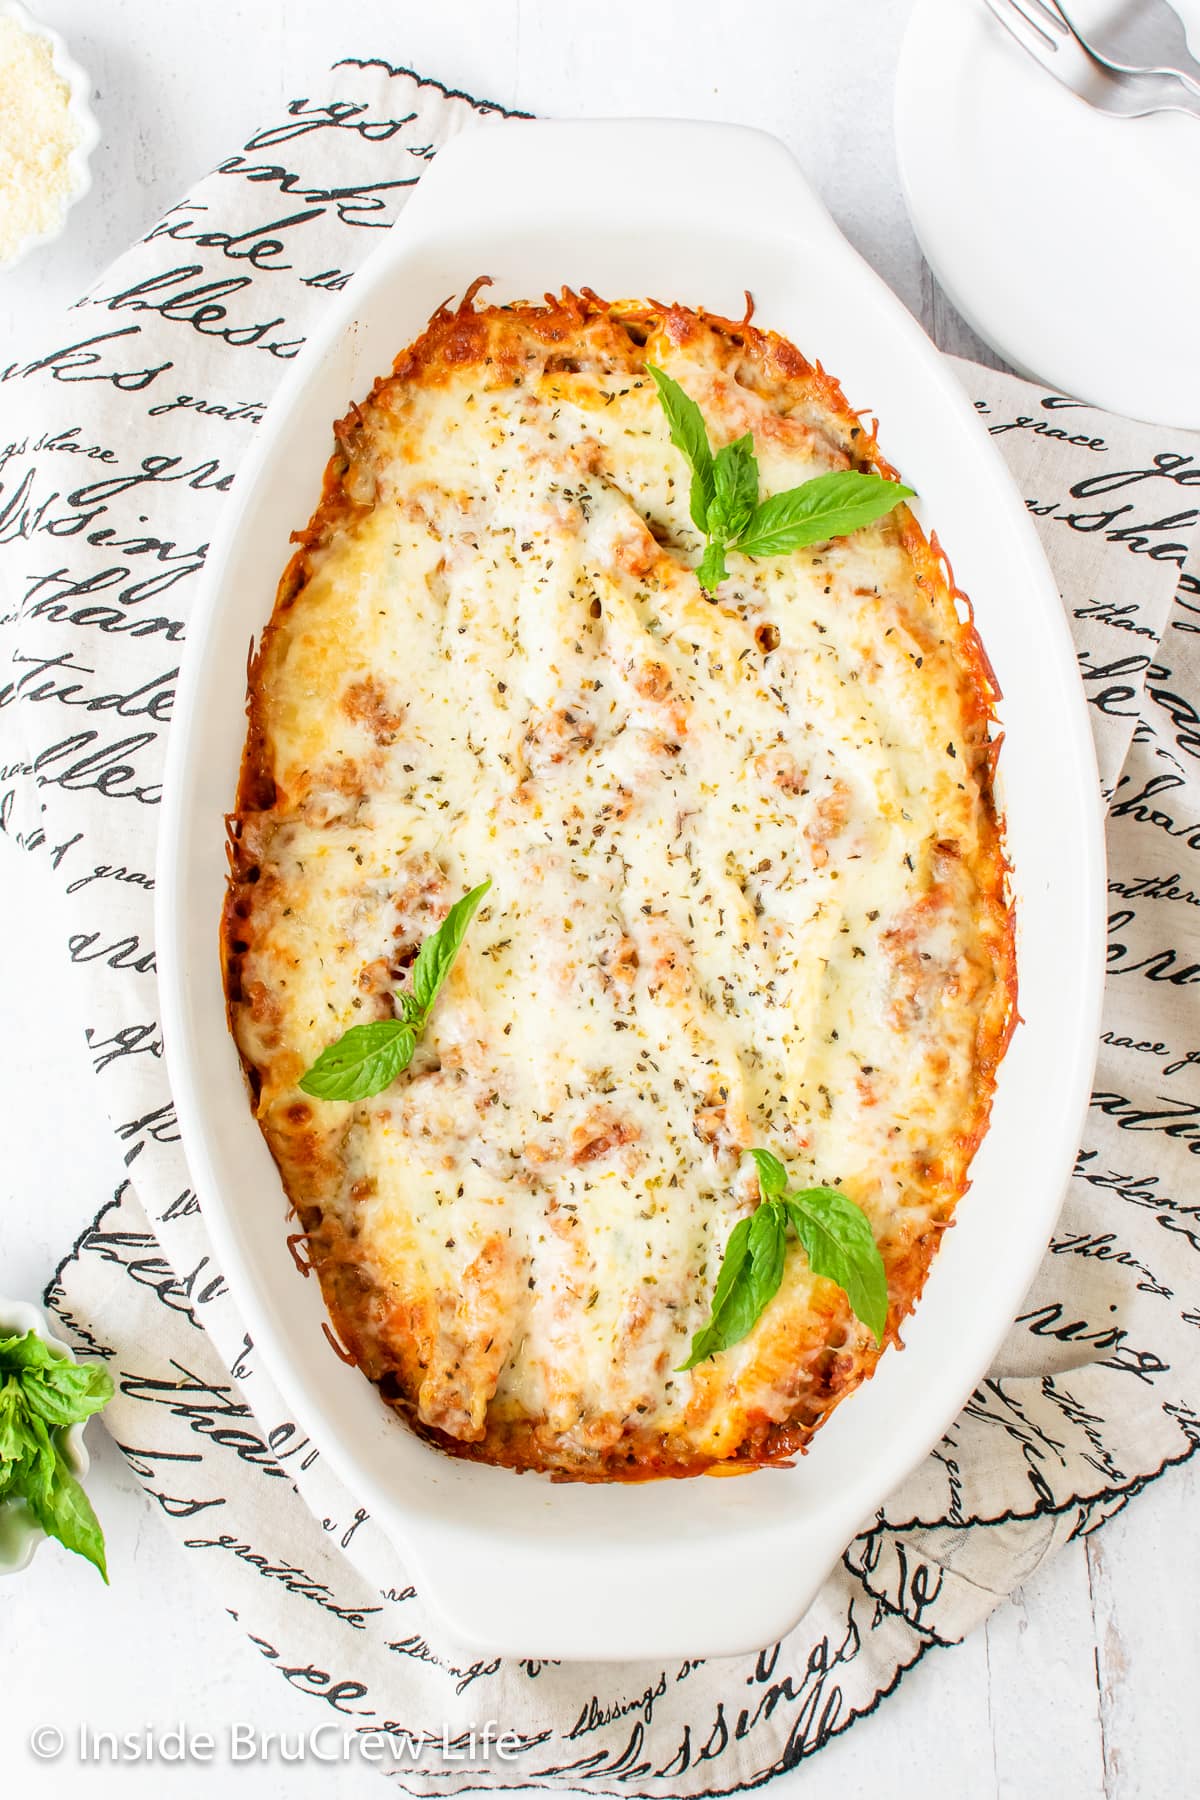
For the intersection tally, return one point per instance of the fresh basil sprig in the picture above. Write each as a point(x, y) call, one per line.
point(368, 1058)
point(724, 501)
point(836, 1237)
point(41, 1393)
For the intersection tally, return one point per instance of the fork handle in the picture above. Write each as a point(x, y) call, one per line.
point(1185, 97)
point(1190, 79)
point(1181, 83)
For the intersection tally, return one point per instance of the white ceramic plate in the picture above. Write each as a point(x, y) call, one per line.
point(1067, 239)
point(513, 1562)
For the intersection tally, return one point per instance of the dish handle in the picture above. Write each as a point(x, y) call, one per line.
point(603, 1581)
point(679, 173)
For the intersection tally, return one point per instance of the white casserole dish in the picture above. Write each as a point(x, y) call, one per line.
point(705, 1567)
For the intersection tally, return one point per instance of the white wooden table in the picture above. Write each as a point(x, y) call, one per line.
point(1084, 1685)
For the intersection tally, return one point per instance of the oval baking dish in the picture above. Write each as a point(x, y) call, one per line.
point(516, 1563)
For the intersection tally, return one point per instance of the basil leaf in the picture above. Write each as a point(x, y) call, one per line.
point(711, 570)
point(826, 507)
point(772, 1176)
point(368, 1058)
point(735, 482)
point(67, 1393)
point(441, 947)
point(836, 1237)
point(364, 1061)
point(410, 1012)
point(751, 1272)
point(688, 434)
point(29, 1352)
point(737, 1251)
point(768, 1252)
point(42, 1391)
point(839, 1243)
point(724, 498)
point(33, 1475)
point(63, 1511)
point(15, 1440)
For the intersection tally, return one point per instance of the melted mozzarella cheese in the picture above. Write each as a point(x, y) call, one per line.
point(732, 846)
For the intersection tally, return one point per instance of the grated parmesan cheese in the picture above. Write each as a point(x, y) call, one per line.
point(37, 136)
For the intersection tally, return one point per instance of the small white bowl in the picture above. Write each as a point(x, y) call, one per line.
point(80, 88)
point(20, 1534)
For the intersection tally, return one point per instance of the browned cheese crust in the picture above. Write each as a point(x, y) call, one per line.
point(749, 887)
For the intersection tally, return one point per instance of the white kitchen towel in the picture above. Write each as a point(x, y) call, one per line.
point(118, 443)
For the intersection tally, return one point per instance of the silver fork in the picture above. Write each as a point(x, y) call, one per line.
point(1068, 59)
point(1142, 37)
